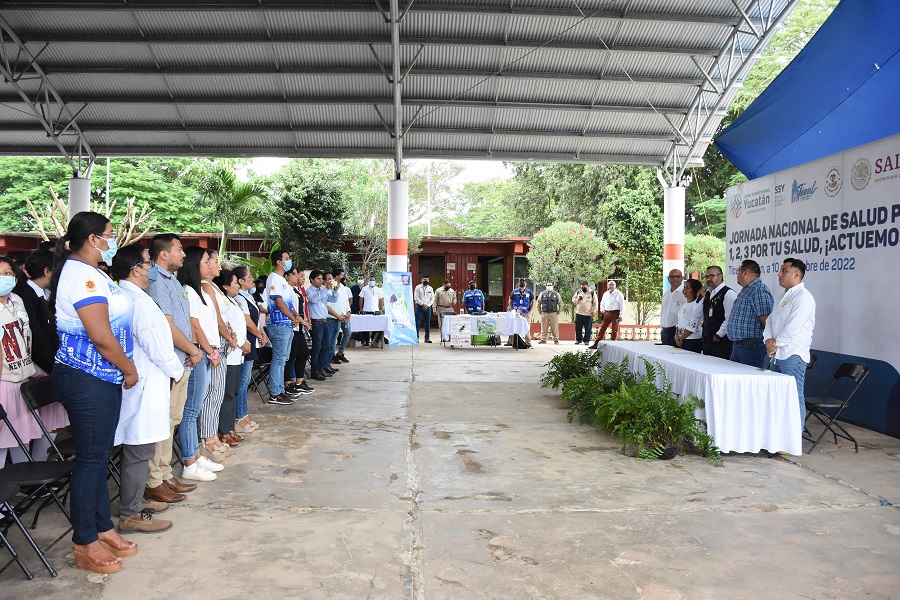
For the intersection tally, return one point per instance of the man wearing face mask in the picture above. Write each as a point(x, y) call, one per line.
point(444, 301)
point(279, 300)
point(473, 300)
point(371, 299)
point(423, 296)
point(346, 297)
point(586, 304)
point(549, 303)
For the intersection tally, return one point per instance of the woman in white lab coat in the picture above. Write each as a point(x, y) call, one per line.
point(144, 418)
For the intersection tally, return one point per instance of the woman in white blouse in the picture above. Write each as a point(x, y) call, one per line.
point(144, 417)
point(205, 333)
point(233, 315)
point(689, 327)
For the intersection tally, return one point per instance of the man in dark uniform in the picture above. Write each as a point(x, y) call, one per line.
point(717, 303)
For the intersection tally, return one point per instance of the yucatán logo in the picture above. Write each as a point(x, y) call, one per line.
point(802, 191)
point(833, 182)
point(737, 203)
point(861, 174)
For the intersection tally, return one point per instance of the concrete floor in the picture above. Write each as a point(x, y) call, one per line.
point(431, 473)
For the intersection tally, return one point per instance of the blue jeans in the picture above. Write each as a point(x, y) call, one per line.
point(423, 315)
point(345, 329)
point(751, 353)
point(281, 338)
point(795, 367)
point(334, 327)
point(241, 409)
point(198, 386)
point(583, 324)
point(319, 346)
point(93, 407)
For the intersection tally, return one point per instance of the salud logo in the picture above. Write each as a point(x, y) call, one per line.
point(861, 174)
point(802, 191)
point(737, 203)
point(833, 183)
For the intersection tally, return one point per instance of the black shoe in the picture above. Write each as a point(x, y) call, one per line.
point(325, 373)
point(331, 370)
point(317, 376)
point(427, 341)
point(365, 343)
point(293, 389)
point(343, 358)
point(281, 398)
point(309, 390)
point(594, 347)
point(304, 391)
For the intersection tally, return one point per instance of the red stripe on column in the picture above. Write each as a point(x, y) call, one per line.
point(397, 246)
point(673, 252)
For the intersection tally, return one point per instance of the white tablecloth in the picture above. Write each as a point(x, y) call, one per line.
point(507, 324)
point(371, 323)
point(747, 409)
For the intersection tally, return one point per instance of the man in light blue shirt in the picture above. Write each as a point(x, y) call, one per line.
point(318, 296)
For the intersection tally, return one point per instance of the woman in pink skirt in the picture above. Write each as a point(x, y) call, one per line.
point(16, 366)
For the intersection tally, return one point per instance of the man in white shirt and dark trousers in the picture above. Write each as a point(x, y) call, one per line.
point(717, 303)
point(612, 305)
point(371, 302)
point(789, 328)
point(423, 296)
point(672, 302)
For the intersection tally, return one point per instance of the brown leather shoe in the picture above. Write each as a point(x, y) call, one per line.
point(179, 487)
point(163, 493)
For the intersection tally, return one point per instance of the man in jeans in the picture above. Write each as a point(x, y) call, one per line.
point(789, 329)
point(168, 256)
point(748, 317)
point(318, 296)
point(345, 298)
point(279, 300)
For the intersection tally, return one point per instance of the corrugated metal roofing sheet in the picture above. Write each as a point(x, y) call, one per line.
point(302, 79)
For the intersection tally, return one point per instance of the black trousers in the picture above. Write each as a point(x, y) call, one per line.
point(667, 335)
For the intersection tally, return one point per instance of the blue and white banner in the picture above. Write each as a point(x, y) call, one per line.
point(398, 304)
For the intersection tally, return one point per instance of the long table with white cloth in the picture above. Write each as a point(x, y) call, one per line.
point(747, 409)
point(458, 328)
point(381, 323)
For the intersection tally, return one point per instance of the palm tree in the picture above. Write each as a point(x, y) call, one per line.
point(231, 202)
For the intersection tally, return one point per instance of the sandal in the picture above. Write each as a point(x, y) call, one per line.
point(237, 437)
point(101, 565)
point(227, 439)
point(246, 425)
point(216, 450)
point(123, 548)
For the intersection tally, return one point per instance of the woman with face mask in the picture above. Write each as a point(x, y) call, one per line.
point(144, 418)
point(93, 364)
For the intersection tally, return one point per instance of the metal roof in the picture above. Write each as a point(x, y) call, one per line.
point(618, 81)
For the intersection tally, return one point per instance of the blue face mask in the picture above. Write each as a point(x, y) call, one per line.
point(288, 264)
point(7, 283)
point(107, 255)
point(371, 284)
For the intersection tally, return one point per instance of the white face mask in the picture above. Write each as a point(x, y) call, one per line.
point(550, 288)
point(360, 282)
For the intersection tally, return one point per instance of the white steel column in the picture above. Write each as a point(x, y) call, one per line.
point(673, 231)
point(398, 226)
point(398, 190)
point(79, 195)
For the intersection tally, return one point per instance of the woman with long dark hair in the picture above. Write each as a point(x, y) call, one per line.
point(93, 319)
point(234, 316)
point(243, 422)
point(296, 367)
point(205, 334)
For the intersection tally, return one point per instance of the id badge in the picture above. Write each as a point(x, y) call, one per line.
point(710, 313)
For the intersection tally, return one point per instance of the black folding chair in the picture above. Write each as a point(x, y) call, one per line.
point(38, 478)
point(38, 393)
point(259, 379)
point(8, 518)
point(813, 359)
point(816, 406)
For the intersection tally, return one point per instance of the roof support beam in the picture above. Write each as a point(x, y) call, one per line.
point(55, 116)
point(366, 7)
point(66, 37)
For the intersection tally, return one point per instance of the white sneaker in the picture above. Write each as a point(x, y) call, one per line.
point(209, 465)
point(196, 472)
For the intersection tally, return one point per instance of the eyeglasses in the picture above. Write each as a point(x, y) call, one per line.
point(146, 264)
point(711, 276)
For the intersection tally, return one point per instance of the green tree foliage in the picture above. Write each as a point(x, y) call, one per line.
point(633, 223)
point(487, 211)
point(31, 178)
point(701, 251)
point(310, 213)
point(431, 189)
point(231, 203)
point(566, 253)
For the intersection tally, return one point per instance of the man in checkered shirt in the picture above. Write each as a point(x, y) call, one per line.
point(748, 317)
